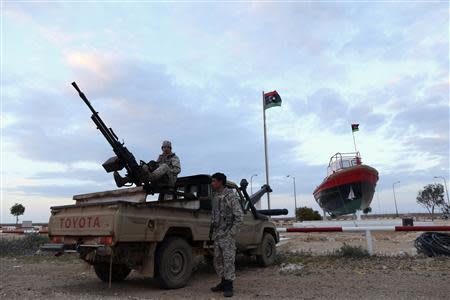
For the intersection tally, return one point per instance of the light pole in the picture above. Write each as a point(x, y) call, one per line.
point(445, 185)
point(395, 200)
point(295, 196)
point(251, 183)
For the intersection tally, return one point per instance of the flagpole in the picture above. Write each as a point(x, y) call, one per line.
point(354, 142)
point(265, 149)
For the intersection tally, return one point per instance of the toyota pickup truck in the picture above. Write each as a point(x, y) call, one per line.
point(121, 230)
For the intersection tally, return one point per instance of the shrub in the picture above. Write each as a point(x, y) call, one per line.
point(307, 214)
point(352, 251)
point(24, 245)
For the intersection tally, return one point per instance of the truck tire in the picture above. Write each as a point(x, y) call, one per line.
point(119, 272)
point(173, 263)
point(268, 251)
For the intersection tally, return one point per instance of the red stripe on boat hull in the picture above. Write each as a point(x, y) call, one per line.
point(360, 173)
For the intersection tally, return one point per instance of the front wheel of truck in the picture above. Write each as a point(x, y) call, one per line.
point(173, 263)
point(268, 251)
point(119, 272)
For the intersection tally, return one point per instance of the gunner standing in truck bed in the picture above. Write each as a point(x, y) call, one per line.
point(225, 220)
point(167, 164)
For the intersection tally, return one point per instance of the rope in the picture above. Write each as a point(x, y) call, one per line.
point(433, 244)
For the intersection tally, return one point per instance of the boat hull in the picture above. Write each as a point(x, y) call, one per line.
point(347, 190)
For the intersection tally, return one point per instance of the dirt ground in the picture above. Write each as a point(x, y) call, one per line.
point(384, 243)
point(295, 276)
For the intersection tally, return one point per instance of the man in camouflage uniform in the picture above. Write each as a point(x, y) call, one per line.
point(225, 221)
point(167, 164)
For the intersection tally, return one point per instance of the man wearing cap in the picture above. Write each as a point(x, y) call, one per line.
point(167, 163)
point(226, 218)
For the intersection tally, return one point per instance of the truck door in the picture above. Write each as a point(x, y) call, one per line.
point(249, 232)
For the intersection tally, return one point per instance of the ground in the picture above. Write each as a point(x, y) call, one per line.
point(384, 243)
point(297, 275)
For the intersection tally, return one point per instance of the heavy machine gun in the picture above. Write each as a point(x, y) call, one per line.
point(124, 158)
point(251, 200)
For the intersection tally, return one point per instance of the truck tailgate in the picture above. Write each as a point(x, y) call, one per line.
point(95, 220)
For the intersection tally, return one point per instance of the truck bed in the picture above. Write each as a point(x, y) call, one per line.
point(127, 221)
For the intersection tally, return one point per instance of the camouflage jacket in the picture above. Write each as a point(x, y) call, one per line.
point(226, 214)
point(172, 161)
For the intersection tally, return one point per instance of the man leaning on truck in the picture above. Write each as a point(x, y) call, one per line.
point(225, 219)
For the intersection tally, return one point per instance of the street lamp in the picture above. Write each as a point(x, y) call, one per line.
point(445, 185)
point(251, 183)
point(395, 200)
point(295, 195)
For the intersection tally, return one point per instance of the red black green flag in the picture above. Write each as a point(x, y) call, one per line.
point(272, 99)
point(355, 127)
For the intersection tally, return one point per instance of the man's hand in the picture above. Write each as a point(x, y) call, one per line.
point(152, 165)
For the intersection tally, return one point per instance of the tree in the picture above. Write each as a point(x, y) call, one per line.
point(17, 210)
point(430, 197)
point(307, 214)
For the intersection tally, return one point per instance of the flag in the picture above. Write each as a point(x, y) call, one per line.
point(272, 99)
point(355, 127)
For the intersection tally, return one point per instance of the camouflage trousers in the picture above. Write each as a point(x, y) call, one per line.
point(224, 257)
point(157, 174)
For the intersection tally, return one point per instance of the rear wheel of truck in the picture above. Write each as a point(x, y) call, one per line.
point(173, 263)
point(268, 251)
point(119, 272)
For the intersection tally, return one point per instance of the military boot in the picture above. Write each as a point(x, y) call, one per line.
point(120, 181)
point(219, 287)
point(228, 288)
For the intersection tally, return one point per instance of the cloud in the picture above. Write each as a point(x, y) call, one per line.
point(144, 113)
point(196, 76)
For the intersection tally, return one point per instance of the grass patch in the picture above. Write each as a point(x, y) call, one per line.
point(306, 258)
point(24, 245)
point(352, 251)
point(345, 253)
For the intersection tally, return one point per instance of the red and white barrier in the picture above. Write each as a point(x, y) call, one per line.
point(366, 229)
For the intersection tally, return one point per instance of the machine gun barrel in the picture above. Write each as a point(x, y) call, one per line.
point(258, 195)
point(124, 158)
point(83, 96)
point(274, 212)
point(107, 132)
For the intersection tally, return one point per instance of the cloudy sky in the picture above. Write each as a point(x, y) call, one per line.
point(194, 72)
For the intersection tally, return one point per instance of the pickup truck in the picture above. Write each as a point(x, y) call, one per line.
point(120, 230)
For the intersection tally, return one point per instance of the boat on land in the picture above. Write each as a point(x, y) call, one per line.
point(348, 187)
